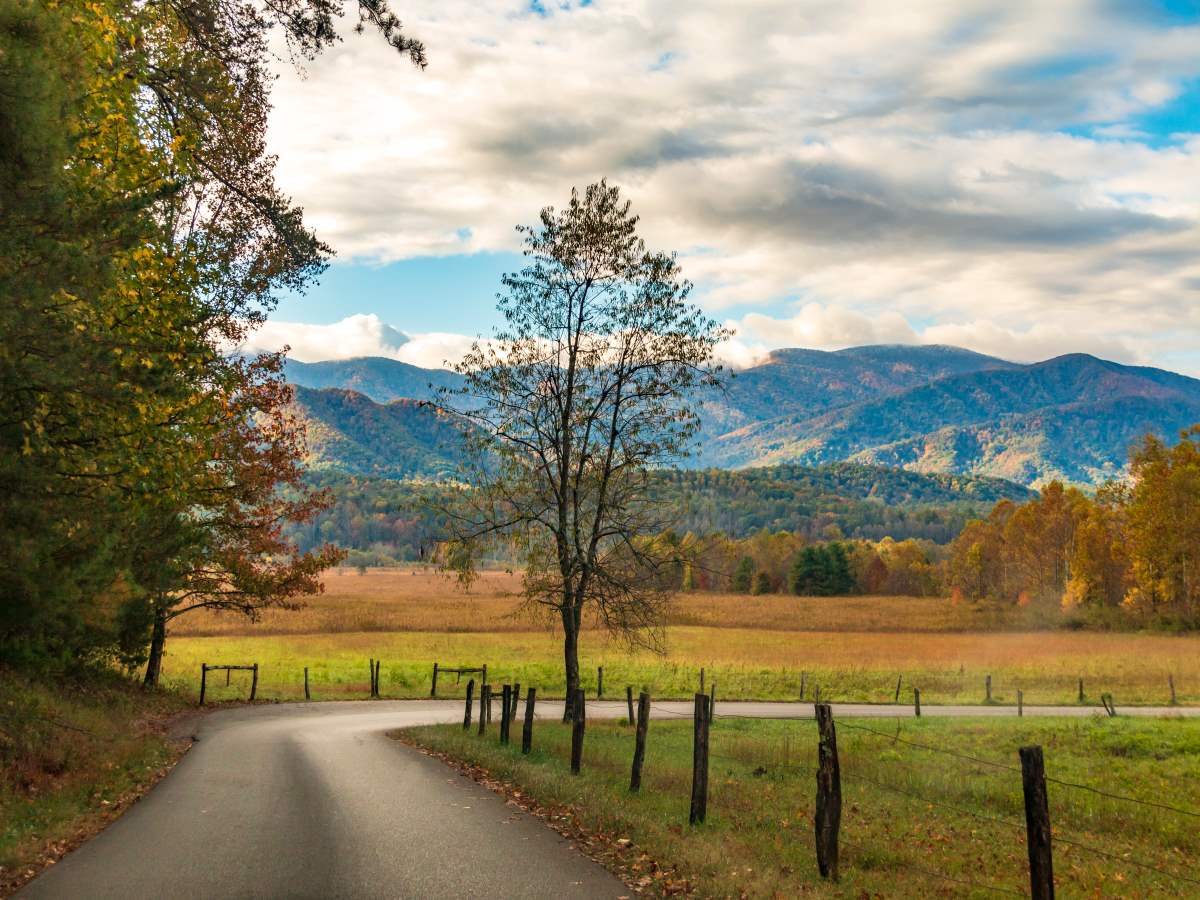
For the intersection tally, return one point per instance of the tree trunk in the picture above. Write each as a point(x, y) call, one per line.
point(570, 660)
point(158, 641)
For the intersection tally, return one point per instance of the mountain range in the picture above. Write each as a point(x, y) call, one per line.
point(931, 409)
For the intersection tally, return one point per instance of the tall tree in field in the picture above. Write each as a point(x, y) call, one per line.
point(576, 398)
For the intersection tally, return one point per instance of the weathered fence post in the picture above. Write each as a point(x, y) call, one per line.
point(828, 818)
point(527, 725)
point(371, 677)
point(599, 682)
point(700, 723)
point(899, 680)
point(1037, 824)
point(433, 686)
point(470, 699)
point(253, 683)
point(639, 745)
point(803, 675)
point(1080, 690)
point(578, 716)
point(516, 697)
point(702, 679)
point(505, 711)
point(917, 702)
point(1020, 702)
point(817, 694)
point(203, 680)
point(629, 702)
point(988, 687)
point(712, 700)
point(378, 668)
point(1171, 682)
point(484, 696)
point(228, 672)
point(306, 694)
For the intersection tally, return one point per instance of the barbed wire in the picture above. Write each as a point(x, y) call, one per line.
point(842, 723)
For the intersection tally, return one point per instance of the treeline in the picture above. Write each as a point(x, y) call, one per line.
point(144, 472)
point(786, 562)
point(1132, 551)
point(383, 522)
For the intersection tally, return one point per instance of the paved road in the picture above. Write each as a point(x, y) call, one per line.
point(312, 800)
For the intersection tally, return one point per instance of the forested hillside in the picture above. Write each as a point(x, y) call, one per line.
point(927, 409)
point(390, 519)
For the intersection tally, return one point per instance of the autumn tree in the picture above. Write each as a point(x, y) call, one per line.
point(1164, 524)
point(569, 407)
point(141, 236)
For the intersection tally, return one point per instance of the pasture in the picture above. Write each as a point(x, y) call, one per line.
point(916, 821)
point(853, 648)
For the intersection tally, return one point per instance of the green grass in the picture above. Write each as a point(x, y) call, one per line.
point(964, 824)
point(745, 664)
point(73, 754)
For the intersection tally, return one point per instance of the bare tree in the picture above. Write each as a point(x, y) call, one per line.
point(566, 410)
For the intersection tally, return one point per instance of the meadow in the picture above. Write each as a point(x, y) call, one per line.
point(916, 821)
point(853, 648)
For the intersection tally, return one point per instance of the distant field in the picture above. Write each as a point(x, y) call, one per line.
point(754, 647)
point(915, 822)
point(423, 600)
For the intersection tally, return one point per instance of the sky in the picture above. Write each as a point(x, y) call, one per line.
point(1019, 178)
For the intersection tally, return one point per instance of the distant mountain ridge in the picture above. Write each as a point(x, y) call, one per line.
point(931, 409)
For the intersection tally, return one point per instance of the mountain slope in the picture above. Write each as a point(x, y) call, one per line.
point(1072, 417)
point(376, 377)
point(348, 432)
point(925, 408)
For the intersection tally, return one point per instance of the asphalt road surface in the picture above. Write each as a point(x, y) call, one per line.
point(314, 801)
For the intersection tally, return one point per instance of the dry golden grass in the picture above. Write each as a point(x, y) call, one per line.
point(423, 600)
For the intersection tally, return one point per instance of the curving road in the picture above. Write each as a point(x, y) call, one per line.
point(313, 800)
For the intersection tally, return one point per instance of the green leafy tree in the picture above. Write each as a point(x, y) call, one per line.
point(743, 575)
point(569, 407)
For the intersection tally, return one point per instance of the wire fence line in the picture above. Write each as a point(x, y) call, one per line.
point(757, 758)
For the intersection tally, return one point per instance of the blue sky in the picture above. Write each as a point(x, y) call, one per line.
point(1022, 178)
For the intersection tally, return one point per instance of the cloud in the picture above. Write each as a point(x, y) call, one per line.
point(956, 163)
point(358, 335)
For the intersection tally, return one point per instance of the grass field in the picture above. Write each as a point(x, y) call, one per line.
point(854, 648)
point(915, 822)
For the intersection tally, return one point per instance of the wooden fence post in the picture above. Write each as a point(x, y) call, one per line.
point(484, 693)
point(828, 818)
point(917, 702)
point(700, 723)
point(527, 725)
point(433, 686)
point(702, 679)
point(516, 697)
point(470, 699)
point(203, 680)
point(639, 746)
point(712, 700)
point(371, 677)
point(1037, 824)
point(378, 671)
point(599, 682)
point(505, 711)
point(802, 677)
point(1080, 690)
point(253, 683)
point(1171, 682)
point(306, 694)
point(988, 687)
point(228, 672)
point(579, 714)
point(817, 694)
point(899, 680)
point(629, 702)
point(1020, 702)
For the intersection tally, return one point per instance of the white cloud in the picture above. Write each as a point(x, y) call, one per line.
point(358, 335)
point(927, 162)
